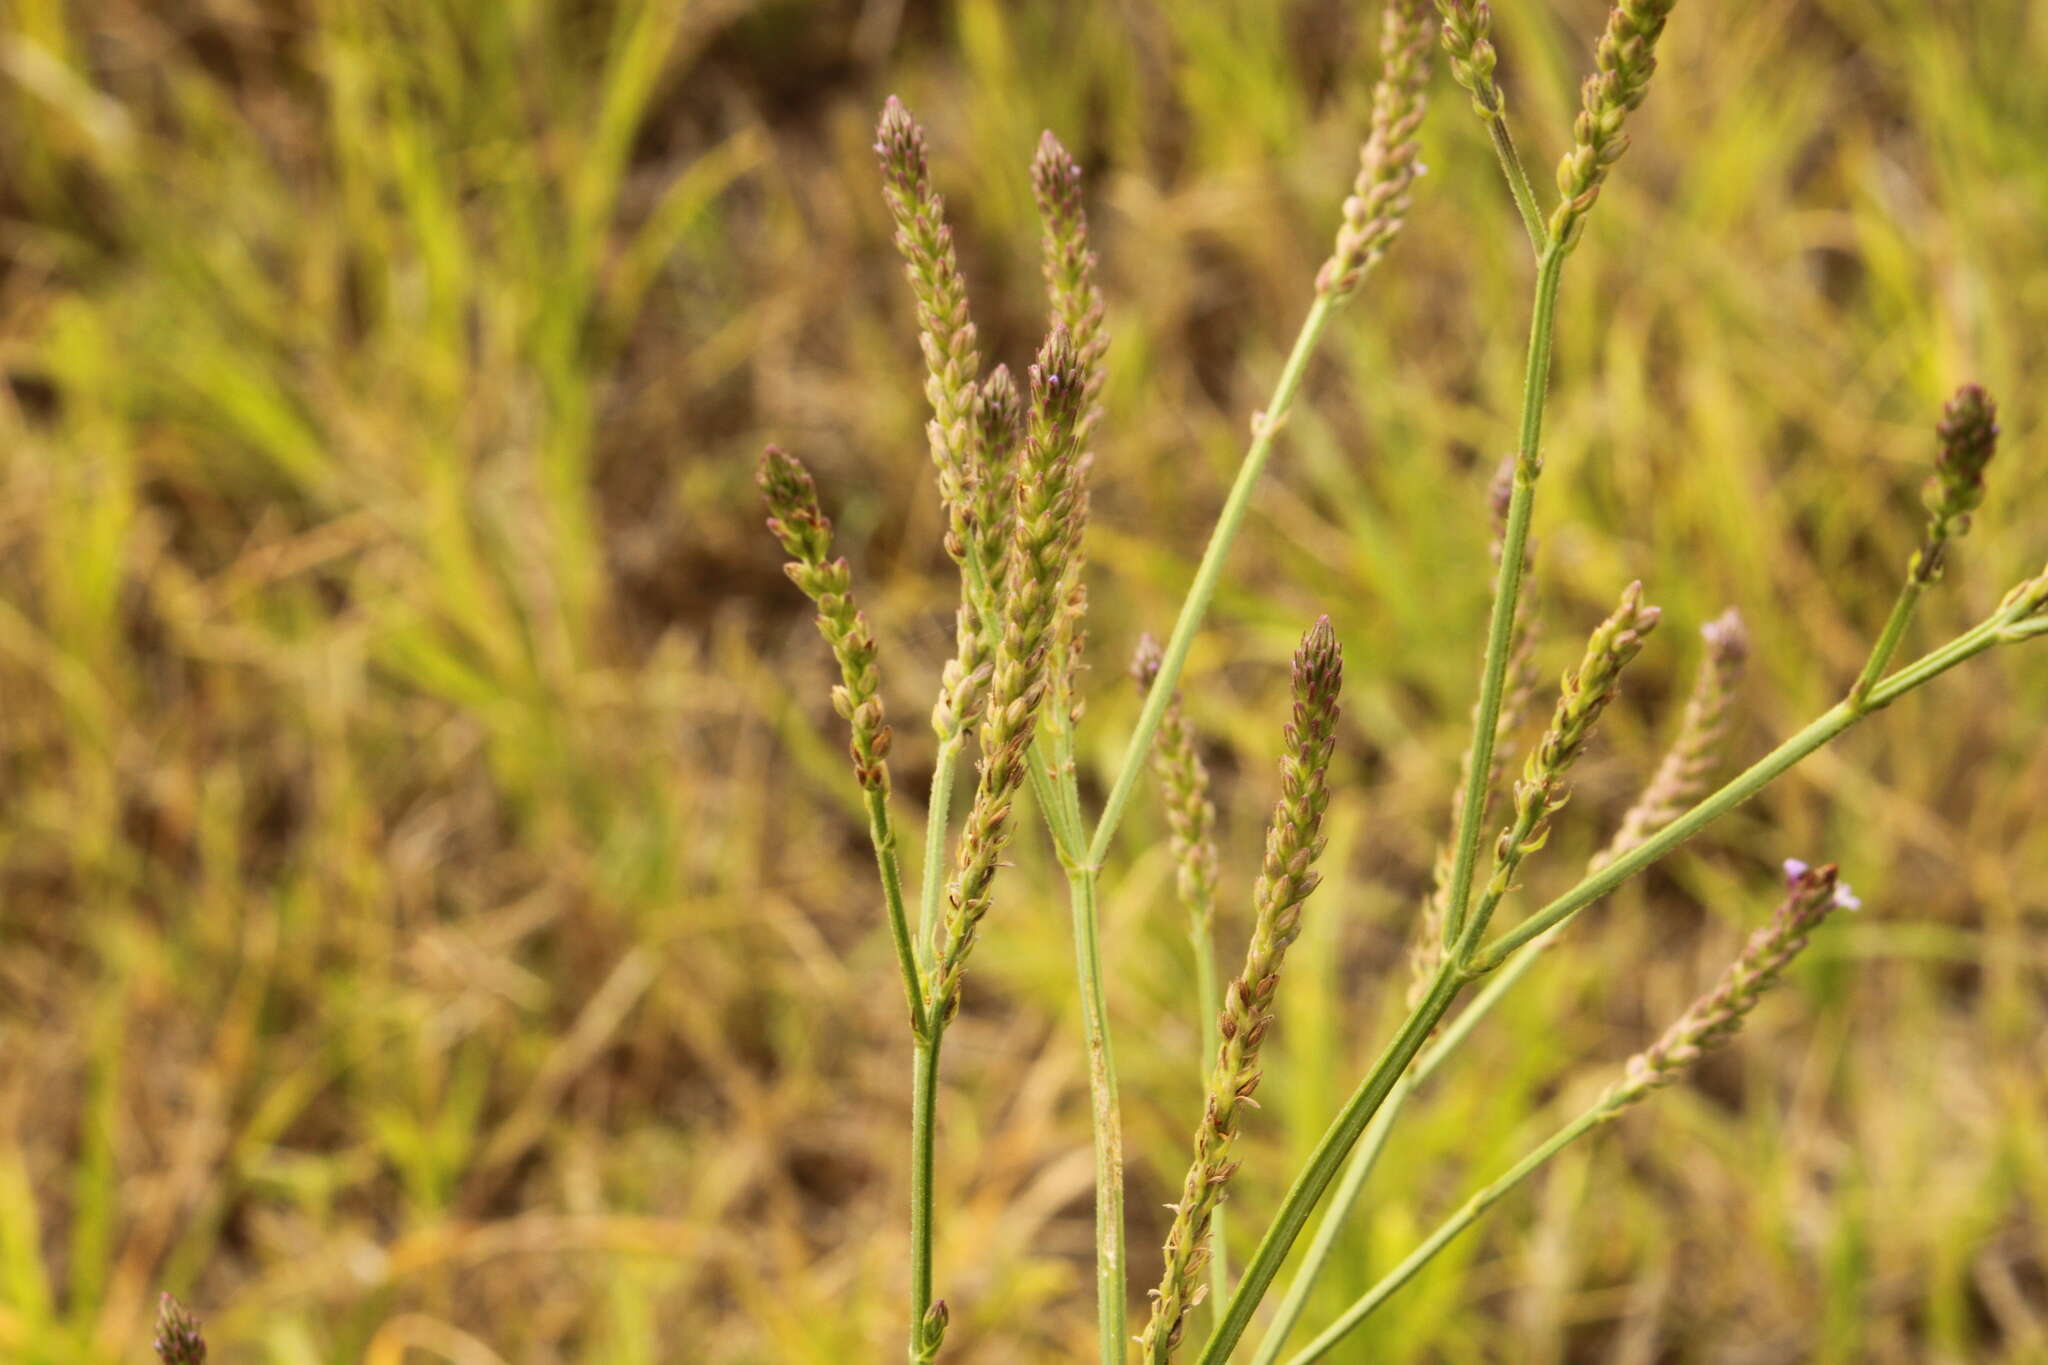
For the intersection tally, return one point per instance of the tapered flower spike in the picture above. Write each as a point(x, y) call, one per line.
point(1467, 30)
point(806, 536)
point(951, 352)
point(1069, 264)
point(1585, 693)
point(1624, 60)
point(1687, 772)
point(1045, 533)
point(178, 1338)
point(999, 434)
point(1387, 164)
point(1968, 433)
point(1293, 843)
point(1715, 1017)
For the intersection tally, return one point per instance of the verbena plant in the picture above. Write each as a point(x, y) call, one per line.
point(1012, 464)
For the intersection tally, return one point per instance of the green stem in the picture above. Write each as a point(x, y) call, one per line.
point(1888, 640)
point(1501, 629)
point(1323, 1164)
point(1518, 181)
point(938, 819)
point(1196, 605)
point(923, 1104)
point(1210, 996)
point(1363, 1158)
point(882, 834)
point(1466, 1215)
point(1107, 1115)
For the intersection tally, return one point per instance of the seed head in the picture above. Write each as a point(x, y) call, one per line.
point(1968, 436)
point(1045, 534)
point(1624, 60)
point(1467, 28)
point(1293, 843)
point(806, 536)
point(946, 332)
point(1069, 264)
point(1713, 1019)
point(178, 1339)
point(1387, 165)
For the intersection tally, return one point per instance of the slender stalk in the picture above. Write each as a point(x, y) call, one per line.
point(1466, 1215)
point(1356, 1172)
point(923, 1111)
point(938, 819)
point(1518, 182)
point(1106, 1112)
point(1887, 641)
point(1507, 589)
point(1266, 426)
point(882, 834)
point(1315, 1177)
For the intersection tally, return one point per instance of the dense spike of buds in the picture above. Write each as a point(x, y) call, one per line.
point(1069, 264)
point(178, 1338)
point(1387, 164)
point(999, 434)
point(946, 332)
point(1045, 534)
point(1624, 60)
point(1467, 30)
point(1293, 843)
point(1968, 433)
point(1069, 267)
point(1715, 1017)
point(1687, 772)
point(1585, 693)
point(1190, 812)
point(806, 536)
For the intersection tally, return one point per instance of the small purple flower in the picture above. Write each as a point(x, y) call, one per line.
point(1845, 898)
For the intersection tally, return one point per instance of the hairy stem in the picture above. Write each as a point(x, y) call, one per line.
point(1887, 641)
point(882, 833)
point(938, 817)
point(1266, 428)
point(1518, 182)
point(923, 1108)
point(1507, 589)
point(1106, 1112)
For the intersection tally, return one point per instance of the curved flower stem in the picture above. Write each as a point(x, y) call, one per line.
point(1229, 521)
point(1518, 182)
point(1887, 640)
point(938, 818)
point(882, 834)
point(1501, 629)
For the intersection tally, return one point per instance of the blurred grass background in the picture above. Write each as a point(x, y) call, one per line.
point(434, 922)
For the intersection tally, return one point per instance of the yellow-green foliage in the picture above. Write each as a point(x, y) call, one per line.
point(433, 912)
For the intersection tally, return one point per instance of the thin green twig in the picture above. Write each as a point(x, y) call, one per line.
point(1266, 426)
